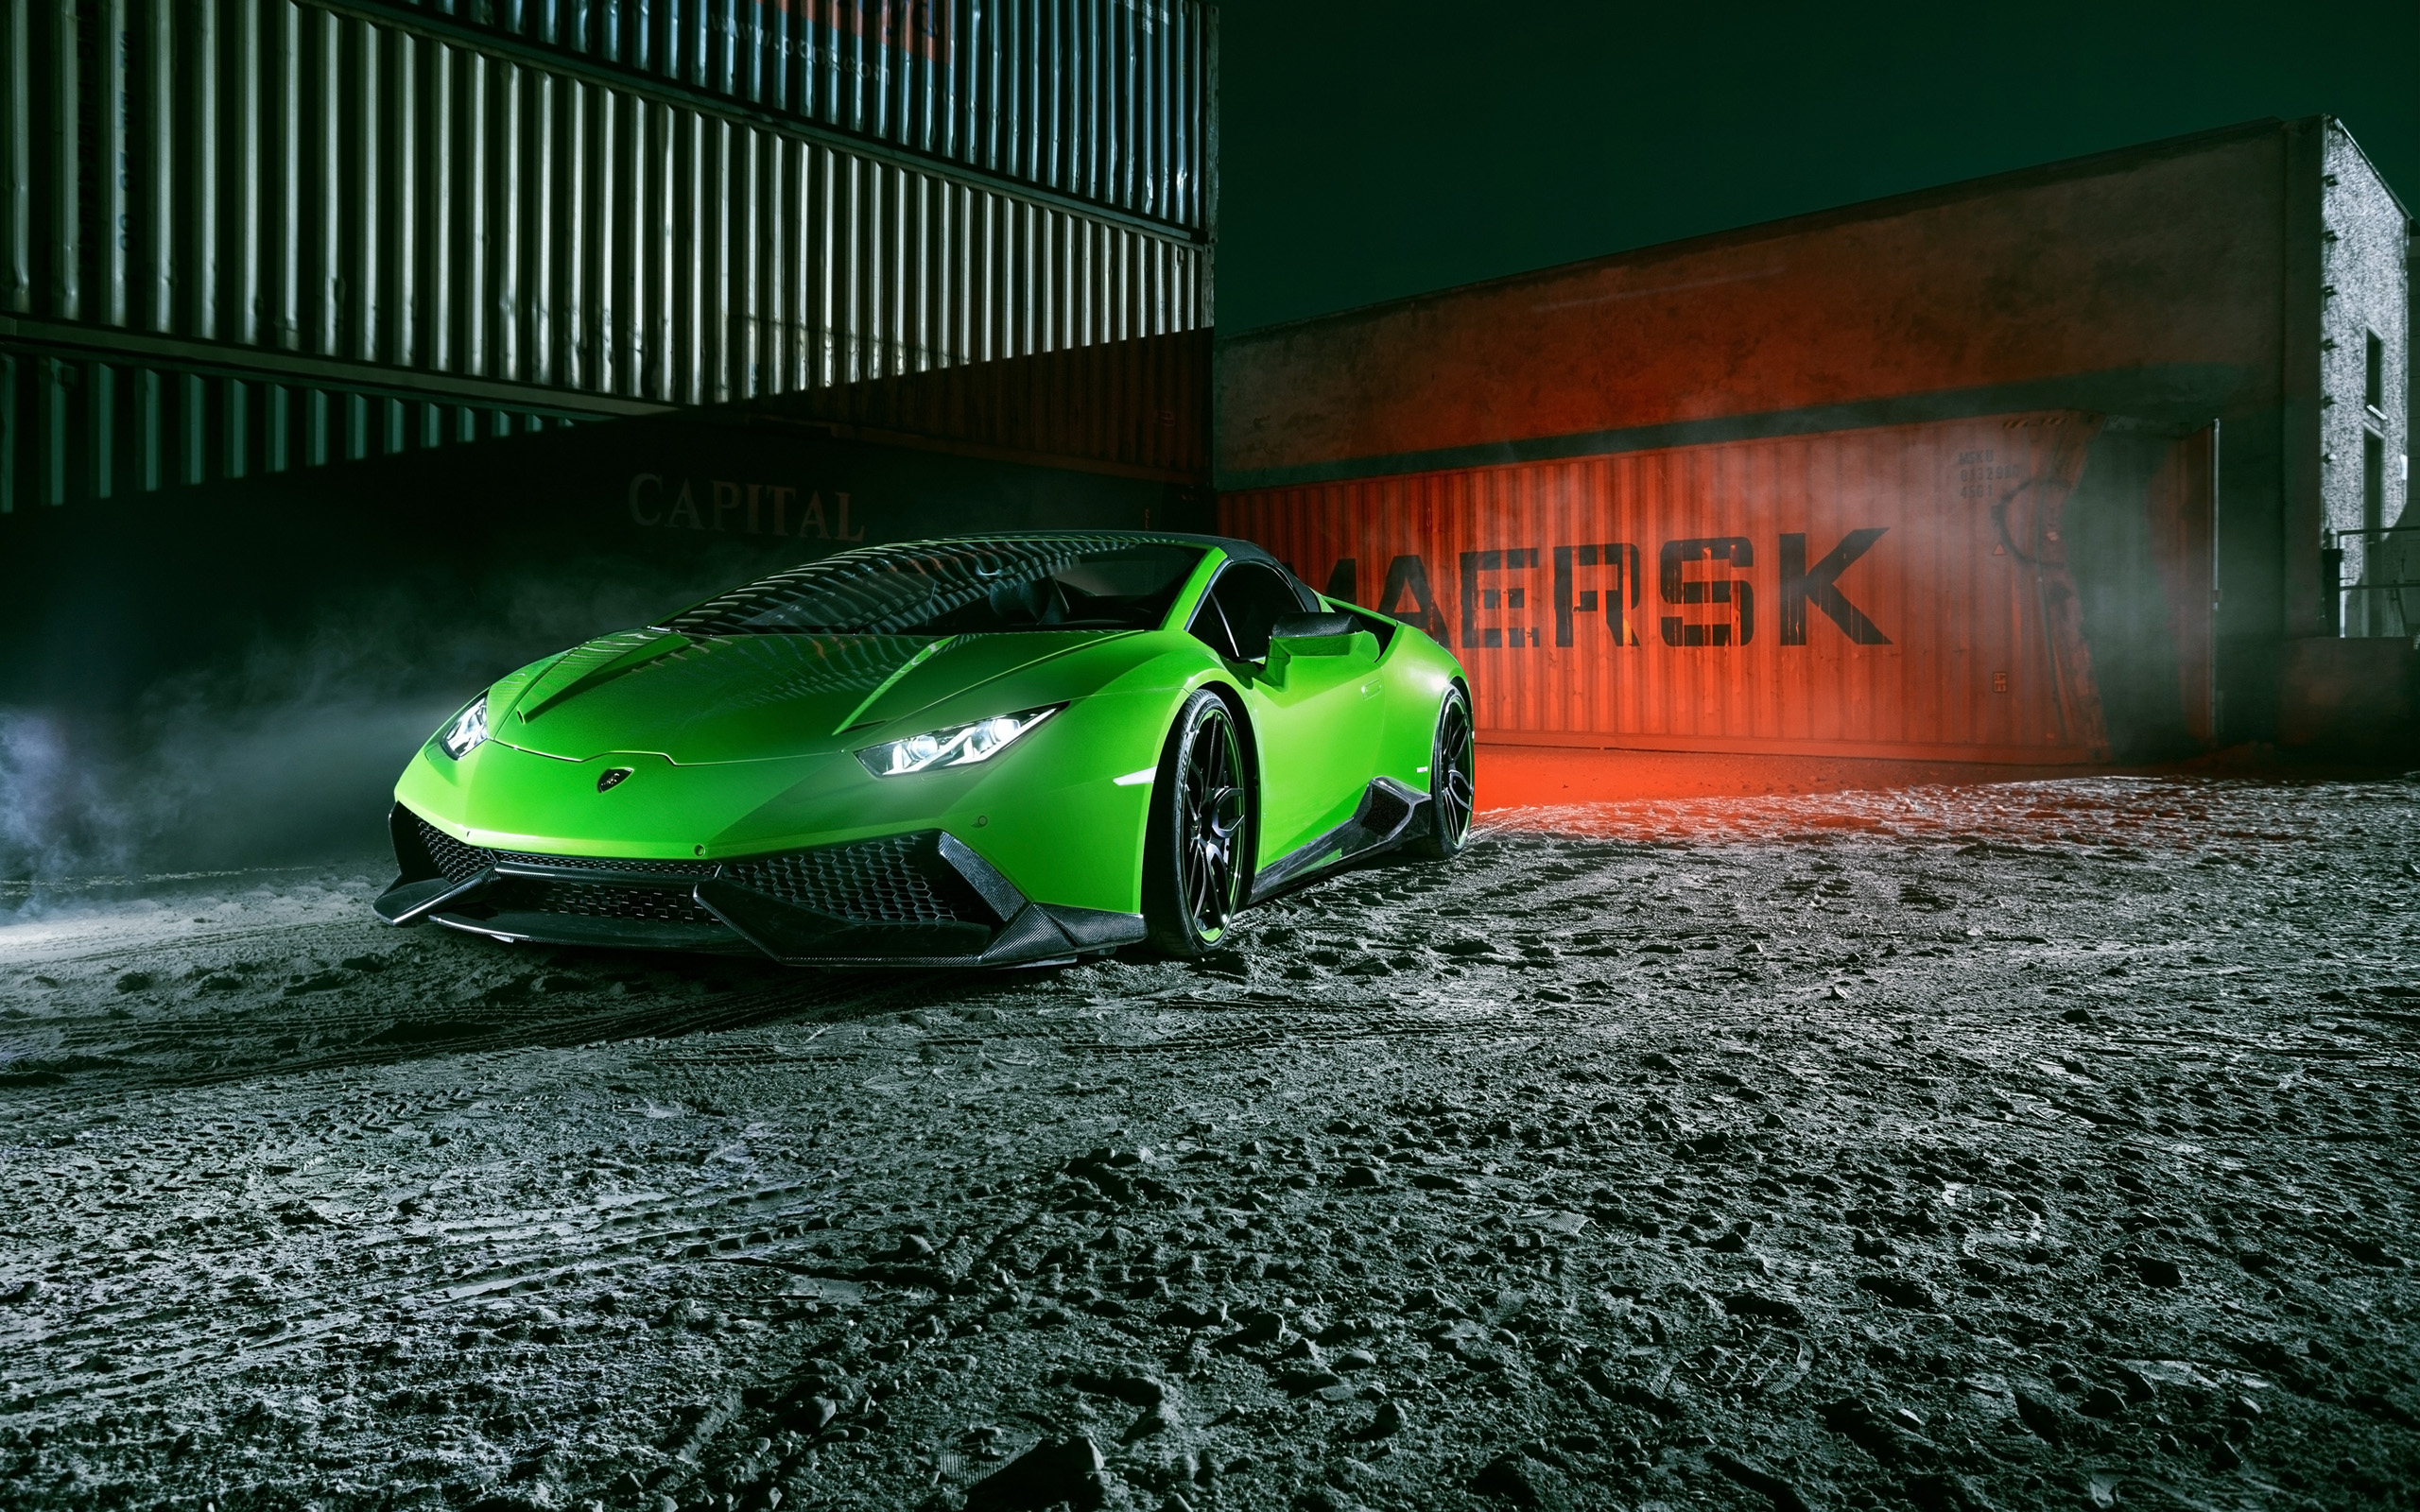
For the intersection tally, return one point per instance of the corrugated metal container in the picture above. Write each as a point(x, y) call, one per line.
point(2153, 633)
point(77, 427)
point(2153, 280)
point(1099, 99)
point(1892, 591)
point(1140, 407)
point(656, 204)
point(2236, 279)
point(516, 540)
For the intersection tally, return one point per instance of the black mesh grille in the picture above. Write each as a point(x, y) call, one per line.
point(872, 881)
point(595, 901)
point(460, 862)
point(657, 868)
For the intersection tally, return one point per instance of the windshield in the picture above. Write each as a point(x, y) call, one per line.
point(958, 588)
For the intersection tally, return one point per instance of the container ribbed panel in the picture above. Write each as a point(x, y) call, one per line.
point(561, 208)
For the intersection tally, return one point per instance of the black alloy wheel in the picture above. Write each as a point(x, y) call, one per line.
point(1452, 767)
point(1193, 857)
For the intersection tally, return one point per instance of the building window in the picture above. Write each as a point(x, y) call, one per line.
point(2372, 607)
point(2374, 374)
point(2373, 489)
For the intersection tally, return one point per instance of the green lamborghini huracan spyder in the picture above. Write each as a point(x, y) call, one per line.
point(984, 751)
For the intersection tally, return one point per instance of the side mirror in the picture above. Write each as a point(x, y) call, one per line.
point(1314, 634)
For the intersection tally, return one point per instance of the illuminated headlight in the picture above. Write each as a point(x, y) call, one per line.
point(469, 728)
point(958, 745)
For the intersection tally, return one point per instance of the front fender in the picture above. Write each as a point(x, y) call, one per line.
point(1062, 814)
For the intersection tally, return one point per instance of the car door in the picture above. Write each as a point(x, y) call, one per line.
point(1316, 721)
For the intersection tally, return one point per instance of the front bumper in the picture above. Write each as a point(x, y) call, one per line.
point(915, 900)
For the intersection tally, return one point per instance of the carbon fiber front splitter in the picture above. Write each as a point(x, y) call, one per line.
point(651, 906)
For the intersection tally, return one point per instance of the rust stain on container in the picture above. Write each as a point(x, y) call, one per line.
point(1896, 591)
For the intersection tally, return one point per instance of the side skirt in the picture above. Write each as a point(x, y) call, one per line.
point(1386, 814)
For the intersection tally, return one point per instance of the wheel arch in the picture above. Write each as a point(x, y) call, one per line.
point(1172, 923)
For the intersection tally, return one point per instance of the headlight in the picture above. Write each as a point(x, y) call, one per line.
point(469, 728)
point(958, 745)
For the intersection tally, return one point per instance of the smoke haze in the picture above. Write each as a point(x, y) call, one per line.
point(286, 752)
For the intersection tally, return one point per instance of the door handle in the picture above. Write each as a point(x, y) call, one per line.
point(1370, 689)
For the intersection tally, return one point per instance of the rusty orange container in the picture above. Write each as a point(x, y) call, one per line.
point(1895, 592)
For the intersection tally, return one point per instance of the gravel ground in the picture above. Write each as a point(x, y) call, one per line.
point(2039, 1144)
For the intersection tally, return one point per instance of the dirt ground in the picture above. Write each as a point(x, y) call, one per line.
point(2045, 1144)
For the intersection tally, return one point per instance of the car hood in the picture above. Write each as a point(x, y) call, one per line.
point(756, 698)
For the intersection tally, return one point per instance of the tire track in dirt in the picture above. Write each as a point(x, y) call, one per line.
point(1868, 1146)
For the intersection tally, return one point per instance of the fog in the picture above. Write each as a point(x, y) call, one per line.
point(283, 750)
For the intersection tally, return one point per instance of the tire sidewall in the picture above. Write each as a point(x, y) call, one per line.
point(1170, 922)
point(1437, 842)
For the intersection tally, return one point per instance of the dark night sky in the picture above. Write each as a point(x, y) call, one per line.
point(1379, 147)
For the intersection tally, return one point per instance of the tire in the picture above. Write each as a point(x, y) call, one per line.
point(1193, 860)
point(1452, 757)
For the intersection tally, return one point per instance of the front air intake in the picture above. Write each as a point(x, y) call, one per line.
point(898, 879)
point(889, 880)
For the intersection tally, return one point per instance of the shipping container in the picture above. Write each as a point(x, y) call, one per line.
point(1934, 591)
point(568, 211)
point(1101, 99)
point(111, 600)
point(2250, 283)
point(77, 425)
point(1140, 406)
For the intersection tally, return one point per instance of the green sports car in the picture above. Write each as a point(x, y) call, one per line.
point(1002, 750)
